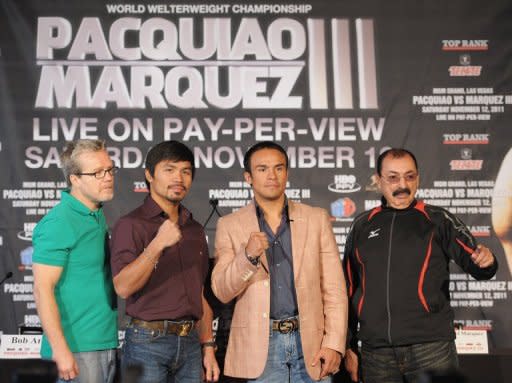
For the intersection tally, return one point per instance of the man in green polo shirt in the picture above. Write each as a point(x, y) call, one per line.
point(72, 281)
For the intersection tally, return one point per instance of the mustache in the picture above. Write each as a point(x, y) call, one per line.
point(401, 190)
point(177, 184)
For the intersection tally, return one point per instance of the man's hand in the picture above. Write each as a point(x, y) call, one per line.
point(482, 257)
point(211, 367)
point(168, 234)
point(330, 360)
point(46, 278)
point(352, 365)
point(257, 244)
point(66, 364)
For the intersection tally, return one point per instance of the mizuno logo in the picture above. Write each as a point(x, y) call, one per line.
point(374, 233)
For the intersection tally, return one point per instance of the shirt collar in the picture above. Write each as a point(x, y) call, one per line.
point(151, 210)
point(77, 205)
point(284, 212)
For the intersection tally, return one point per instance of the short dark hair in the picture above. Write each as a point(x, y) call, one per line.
point(259, 146)
point(395, 153)
point(168, 151)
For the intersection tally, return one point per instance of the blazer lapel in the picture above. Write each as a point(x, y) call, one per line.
point(299, 228)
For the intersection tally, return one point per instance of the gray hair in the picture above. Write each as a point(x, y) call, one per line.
point(70, 153)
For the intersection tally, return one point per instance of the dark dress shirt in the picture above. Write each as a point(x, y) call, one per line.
point(174, 289)
point(283, 298)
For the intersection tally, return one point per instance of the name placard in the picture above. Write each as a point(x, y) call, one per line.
point(20, 346)
point(471, 342)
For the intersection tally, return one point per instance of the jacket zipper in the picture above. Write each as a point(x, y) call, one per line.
point(388, 304)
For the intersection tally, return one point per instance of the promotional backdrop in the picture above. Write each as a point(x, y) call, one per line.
point(335, 82)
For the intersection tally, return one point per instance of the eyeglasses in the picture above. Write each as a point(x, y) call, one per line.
point(100, 174)
point(395, 178)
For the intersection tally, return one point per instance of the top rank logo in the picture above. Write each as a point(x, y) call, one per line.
point(465, 45)
point(480, 231)
point(466, 139)
point(140, 187)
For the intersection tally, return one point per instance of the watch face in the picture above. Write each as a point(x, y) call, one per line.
point(253, 260)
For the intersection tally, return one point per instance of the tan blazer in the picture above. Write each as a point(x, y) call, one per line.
point(319, 283)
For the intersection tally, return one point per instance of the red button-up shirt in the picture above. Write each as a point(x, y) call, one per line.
point(174, 288)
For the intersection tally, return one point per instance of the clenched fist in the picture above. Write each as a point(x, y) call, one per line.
point(482, 257)
point(168, 234)
point(257, 244)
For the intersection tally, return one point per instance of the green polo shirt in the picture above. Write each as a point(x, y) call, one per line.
point(74, 237)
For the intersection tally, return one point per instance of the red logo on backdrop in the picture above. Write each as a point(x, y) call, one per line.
point(466, 164)
point(465, 68)
point(480, 231)
point(343, 208)
point(465, 71)
point(140, 187)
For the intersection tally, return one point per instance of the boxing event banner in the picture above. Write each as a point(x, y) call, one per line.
point(335, 82)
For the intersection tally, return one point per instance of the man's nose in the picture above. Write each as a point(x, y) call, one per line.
point(178, 176)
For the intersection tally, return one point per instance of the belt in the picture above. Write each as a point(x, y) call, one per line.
point(284, 326)
point(181, 328)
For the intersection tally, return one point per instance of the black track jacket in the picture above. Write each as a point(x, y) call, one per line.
point(396, 267)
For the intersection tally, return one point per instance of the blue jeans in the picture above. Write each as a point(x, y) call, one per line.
point(164, 358)
point(407, 363)
point(94, 367)
point(285, 360)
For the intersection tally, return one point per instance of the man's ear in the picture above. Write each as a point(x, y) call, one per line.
point(248, 178)
point(72, 179)
point(148, 175)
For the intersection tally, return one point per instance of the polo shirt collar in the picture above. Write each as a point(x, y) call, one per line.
point(151, 210)
point(76, 205)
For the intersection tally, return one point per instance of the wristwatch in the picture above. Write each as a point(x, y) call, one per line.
point(254, 260)
point(210, 343)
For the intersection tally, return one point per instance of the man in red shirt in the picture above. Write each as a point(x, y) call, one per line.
point(160, 263)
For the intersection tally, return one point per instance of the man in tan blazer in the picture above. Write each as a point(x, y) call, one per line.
point(279, 259)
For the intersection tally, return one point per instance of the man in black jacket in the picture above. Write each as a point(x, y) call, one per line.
point(396, 264)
